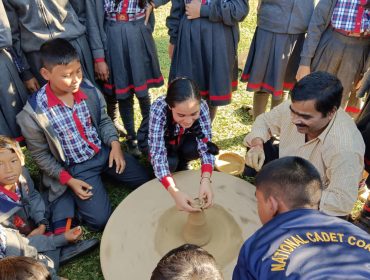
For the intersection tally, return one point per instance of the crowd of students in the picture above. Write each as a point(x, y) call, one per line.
point(58, 56)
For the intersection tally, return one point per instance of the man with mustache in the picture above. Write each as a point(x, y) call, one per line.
point(313, 126)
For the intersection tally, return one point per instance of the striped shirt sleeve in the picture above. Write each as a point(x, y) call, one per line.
point(206, 158)
point(158, 151)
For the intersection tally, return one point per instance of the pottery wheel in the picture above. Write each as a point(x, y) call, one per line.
point(146, 225)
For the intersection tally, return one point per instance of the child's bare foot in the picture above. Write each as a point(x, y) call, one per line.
point(73, 235)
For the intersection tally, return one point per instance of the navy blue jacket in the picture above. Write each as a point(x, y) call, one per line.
point(305, 244)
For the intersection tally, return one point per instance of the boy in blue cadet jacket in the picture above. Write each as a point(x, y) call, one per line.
point(72, 139)
point(297, 241)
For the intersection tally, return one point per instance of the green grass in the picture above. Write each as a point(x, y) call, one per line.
point(229, 128)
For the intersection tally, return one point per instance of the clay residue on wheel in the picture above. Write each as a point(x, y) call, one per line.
point(225, 234)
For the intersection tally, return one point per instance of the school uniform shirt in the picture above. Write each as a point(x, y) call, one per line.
point(305, 244)
point(157, 145)
point(78, 137)
point(124, 6)
point(337, 153)
point(351, 16)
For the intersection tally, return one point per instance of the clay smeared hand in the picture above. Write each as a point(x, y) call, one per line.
point(116, 156)
point(80, 188)
point(40, 230)
point(205, 192)
point(255, 157)
point(101, 71)
point(302, 72)
point(183, 201)
point(193, 9)
point(73, 235)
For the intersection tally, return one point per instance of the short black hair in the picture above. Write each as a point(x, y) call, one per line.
point(187, 262)
point(323, 87)
point(293, 180)
point(57, 52)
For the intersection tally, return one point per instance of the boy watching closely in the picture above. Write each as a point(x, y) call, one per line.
point(72, 139)
point(297, 241)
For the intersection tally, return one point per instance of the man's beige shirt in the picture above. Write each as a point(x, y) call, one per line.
point(337, 153)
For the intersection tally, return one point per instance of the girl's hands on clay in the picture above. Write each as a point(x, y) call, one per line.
point(205, 192)
point(73, 235)
point(182, 200)
point(192, 10)
point(40, 230)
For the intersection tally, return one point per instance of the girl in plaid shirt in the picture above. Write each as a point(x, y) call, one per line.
point(180, 131)
point(125, 56)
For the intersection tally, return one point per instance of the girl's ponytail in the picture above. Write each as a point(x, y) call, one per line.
point(197, 130)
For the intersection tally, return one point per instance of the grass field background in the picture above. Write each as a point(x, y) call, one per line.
point(229, 128)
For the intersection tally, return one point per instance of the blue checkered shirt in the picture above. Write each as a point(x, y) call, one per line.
point(2, 243)
point(157, 145)
point(78, 137)
point(346, 16)
point(132, 7)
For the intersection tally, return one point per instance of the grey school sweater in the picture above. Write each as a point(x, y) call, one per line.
point(285, 16)
point(33, 22)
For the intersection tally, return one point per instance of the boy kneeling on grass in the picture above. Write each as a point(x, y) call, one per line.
point(24, 227)
point(72, 139)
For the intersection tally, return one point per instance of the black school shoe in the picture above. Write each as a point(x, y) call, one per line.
point(71, 251)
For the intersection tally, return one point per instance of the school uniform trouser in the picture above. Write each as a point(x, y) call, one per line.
point(96, 210)
point(187, 151)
